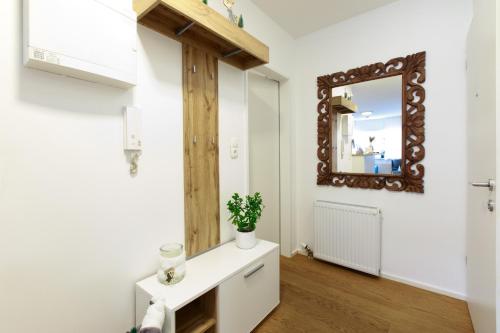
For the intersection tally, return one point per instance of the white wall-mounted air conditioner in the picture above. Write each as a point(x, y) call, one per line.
point(93, 40)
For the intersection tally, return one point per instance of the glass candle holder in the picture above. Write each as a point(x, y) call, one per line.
point(172, 263)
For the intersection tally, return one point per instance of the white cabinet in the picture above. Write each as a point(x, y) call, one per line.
point(93, 40)
point(246, 283)
point(249, 296)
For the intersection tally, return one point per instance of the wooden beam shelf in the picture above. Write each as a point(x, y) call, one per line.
point(194, 23)
point(343, 105)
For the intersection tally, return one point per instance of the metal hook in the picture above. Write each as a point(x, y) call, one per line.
point(134, 158)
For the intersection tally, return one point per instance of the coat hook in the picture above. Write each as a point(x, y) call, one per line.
point(134, 158)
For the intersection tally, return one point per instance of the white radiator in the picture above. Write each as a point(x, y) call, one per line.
point(348, 235)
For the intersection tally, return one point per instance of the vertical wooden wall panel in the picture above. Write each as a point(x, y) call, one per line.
point(201, 150)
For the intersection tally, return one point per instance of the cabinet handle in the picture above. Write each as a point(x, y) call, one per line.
point(195, 139)
point(253, 271)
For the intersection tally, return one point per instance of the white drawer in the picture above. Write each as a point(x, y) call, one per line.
point(249, 296)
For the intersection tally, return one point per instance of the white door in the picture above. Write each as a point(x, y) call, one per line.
point(264, 130)
point(481, 227)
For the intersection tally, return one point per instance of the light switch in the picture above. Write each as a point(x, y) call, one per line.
point(234, 148)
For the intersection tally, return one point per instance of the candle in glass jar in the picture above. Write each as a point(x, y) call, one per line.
point(172, 263)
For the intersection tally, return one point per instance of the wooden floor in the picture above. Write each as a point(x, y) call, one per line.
point(321, 297)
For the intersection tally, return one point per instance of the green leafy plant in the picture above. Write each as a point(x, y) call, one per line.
point(245, 213)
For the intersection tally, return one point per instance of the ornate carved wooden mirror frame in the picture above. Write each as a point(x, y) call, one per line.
point(411, 179)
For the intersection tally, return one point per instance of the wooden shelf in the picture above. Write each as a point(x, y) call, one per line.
point(194, 23)
point(343, 105)
point(197, 316)
point(197, 324)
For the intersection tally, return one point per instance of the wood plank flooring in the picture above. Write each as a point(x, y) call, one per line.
point(320, 297)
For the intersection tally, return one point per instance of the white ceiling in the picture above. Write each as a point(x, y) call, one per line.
point(300, 17)
point(382, 97)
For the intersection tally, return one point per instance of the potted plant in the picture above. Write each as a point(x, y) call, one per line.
point(245, 213)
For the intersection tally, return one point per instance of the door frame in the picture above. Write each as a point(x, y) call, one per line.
point(265, 77)
point(287, 223)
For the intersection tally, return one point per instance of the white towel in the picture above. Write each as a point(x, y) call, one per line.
point(154, 318)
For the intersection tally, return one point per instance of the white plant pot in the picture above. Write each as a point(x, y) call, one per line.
point(245, 240)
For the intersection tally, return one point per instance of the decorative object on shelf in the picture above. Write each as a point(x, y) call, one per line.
point(233, 18)
point(205, 2)
point(241, 24)
point(244, 215)
point(370, 148)
point(172, 263)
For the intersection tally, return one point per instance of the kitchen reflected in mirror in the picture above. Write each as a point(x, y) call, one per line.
point(369, 127)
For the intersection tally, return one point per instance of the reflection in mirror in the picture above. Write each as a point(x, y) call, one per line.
point(368, 134)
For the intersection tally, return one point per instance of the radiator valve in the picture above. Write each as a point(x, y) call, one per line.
point(309, 251)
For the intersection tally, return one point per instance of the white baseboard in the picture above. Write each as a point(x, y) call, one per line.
point(424, 286)
point(300, 251)
point(413, 283)
point(293, 254)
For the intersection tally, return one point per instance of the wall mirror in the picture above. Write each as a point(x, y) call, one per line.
point(371, 126)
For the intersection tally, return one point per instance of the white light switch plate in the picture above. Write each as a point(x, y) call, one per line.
point(234, 148)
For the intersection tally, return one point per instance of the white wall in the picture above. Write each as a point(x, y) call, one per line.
point(233, 123)
point(280, 68)
point(423, 235)
point(76, 231)
point(387, 132)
